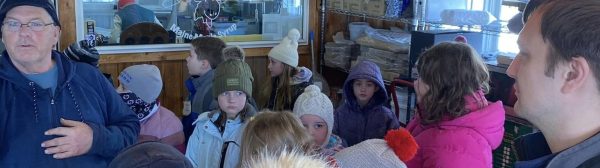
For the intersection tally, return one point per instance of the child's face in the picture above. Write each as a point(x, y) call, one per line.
point(421, 89)
point(232, 102)
point(364, 90)
point(195, 66)
point(317, 128)
point(275, 67)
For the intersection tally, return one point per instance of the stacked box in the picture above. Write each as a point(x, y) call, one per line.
point(504, 156)
point(336, 4)
point(355, 6)
point(337, 55)
point(390, 63)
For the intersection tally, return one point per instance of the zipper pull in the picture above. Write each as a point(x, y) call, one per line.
point(52, 101)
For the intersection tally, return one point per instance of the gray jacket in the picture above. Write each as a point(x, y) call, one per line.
point(578, 154)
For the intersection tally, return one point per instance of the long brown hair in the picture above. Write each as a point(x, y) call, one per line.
point(283, 95)
point(275, 132)
point(452, 70)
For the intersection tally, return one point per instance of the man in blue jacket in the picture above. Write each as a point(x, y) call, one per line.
point(54, 112)
point(557, 82)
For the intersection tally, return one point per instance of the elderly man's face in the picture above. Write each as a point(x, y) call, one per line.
point(25, 46)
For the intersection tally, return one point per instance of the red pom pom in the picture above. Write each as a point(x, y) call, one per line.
point(402, 142)
point(460, 38)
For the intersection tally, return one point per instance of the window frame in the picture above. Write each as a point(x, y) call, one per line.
point(122, 49)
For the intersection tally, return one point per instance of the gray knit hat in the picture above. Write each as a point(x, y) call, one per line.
point(143, 80)
point(231, 75)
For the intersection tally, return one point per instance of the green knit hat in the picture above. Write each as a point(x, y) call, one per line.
point(231, 75)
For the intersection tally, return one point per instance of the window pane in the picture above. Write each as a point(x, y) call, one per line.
point(171, 21)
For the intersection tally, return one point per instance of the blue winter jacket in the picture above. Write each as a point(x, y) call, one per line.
point(355, 124)
point(82, 94)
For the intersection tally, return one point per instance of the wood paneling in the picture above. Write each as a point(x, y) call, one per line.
point(66, 14)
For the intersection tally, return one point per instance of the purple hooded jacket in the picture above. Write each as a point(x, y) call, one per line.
point(355, 124)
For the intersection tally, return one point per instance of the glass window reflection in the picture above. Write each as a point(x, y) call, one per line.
point(116, 22)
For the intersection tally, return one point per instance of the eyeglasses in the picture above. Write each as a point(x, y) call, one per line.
point(15, 26)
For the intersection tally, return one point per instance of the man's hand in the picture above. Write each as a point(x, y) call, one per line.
point(75, 139)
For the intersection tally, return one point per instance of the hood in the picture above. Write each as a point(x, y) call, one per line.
point(304, 75)
point(487, 121)
point(9, 72)
point(365, 70)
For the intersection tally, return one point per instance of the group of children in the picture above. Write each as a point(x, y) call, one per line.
point(222, 127)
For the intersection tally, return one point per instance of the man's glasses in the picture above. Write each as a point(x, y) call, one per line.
point(15, 26)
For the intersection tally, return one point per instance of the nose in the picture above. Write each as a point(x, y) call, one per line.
point(513, 68)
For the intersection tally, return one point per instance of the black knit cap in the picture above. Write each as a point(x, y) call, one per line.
point(7, 5)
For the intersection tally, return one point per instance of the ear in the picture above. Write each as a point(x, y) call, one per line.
point(576, 75)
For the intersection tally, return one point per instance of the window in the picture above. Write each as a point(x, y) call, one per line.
point(261, 22)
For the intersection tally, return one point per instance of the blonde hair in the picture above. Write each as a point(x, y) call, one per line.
point(283, 92)
point(273, 133)
point(294, 158)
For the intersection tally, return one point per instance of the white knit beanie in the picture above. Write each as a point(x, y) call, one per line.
point(143, 80)
point(287, 50)
point(312, 101)
point(369, 153)
point(397, 147)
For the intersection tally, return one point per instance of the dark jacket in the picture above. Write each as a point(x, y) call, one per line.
point(82, 94)
point(584, 154)
point(355, 124)
point(201, 98)
point(134, 13)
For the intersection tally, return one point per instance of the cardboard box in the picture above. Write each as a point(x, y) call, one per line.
point(375, 7)
point(336, 4)
point(355, 6)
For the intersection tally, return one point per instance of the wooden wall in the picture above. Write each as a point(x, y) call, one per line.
point(174, 71)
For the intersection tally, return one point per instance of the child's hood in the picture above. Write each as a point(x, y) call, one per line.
point(365, 70)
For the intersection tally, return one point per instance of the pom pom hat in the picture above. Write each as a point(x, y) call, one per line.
point(287, 50)
point(398, 147)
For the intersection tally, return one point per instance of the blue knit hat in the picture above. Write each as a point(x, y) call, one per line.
point(7, 5)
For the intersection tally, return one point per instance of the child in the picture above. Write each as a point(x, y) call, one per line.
point(274, 133)
point(454, 123)
point(205, 55)
point(315, 111)
point(216, 138)
point(287, 159)
point(150, 154)
point(362, 116)
point(397, 147)
point(140, 86)
point(287, 80)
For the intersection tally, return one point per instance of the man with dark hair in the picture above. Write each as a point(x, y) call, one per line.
point(54, 112)
point(557, 81)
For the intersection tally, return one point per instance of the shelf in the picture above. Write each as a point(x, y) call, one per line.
point(418, 25)
point(391, 19)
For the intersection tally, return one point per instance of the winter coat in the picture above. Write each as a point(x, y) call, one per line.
point(162, 124)
point(466, 141)
point(82, 94)
point(206, 143)
point(299, 81)
point(356, 124)
point(582, 155)
point(201, 99)
point(334, 145)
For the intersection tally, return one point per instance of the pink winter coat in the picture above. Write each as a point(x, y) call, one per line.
point(463, 142)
